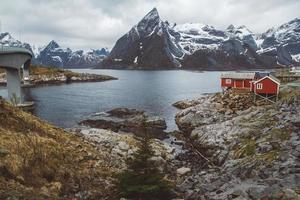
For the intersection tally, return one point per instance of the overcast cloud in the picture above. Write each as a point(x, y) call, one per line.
point(86, 24)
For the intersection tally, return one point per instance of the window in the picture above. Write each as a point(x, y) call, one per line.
point(259, 86)
point(228, 81)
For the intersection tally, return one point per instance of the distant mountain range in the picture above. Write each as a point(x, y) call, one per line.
point(54, 55)
point(157, 44)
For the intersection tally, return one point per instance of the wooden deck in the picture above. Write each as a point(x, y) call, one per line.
point(288, 78)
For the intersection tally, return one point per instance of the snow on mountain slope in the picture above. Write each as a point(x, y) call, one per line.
point(196, 36)
point(283, 43)
point(54, 55)
point(7, 40)
point(151, 43)
point(155, 44)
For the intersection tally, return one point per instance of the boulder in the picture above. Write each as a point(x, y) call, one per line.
point(185, 104)
point(183, 170)
point(127, 120)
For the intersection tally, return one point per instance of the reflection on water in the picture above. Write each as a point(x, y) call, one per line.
point(153, 91)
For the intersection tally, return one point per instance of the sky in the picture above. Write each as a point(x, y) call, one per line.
point(93, 24)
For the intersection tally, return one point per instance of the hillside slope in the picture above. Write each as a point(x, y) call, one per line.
point(40, 161)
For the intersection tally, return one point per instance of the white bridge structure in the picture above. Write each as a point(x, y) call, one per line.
point(13, 60)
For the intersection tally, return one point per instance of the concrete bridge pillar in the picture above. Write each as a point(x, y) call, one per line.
point(25, 67)
point(25, 73)
point(14, 86)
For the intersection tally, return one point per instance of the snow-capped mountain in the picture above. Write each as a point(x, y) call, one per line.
point(283, 42)
point(149, 44)
point(153, 43)
point(7, 40)
point(54, 55)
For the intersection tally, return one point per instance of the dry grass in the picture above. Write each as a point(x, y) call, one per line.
point(43, 161)
point(39, 70)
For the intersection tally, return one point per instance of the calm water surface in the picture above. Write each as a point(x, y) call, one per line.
point(154, 91)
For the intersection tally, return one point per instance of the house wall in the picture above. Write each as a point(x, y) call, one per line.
point(238, 83)
point(224, 84)
point(247, 83)
point(269, 87)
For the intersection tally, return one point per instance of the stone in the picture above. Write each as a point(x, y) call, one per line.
point(290, 194)
point(183, 170)
point(219, 106)
point(128, 120)
point(4, 152)
point(264, 147)
point(256, 192)
point(123, 146)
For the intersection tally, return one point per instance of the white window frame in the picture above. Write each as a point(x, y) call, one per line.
point(228, 81)
point(259, 86)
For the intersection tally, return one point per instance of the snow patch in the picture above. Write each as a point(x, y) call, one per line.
point(296, 57)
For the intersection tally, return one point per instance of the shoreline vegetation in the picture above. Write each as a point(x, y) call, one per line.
point(232, 148)
point(51, 75)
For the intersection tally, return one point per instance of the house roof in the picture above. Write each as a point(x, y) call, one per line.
point(239, 75)
point(260, 75)
point(273, 78)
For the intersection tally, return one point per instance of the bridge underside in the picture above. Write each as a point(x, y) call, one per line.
point(12, 63)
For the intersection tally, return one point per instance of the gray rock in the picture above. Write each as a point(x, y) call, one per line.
point(256, 192)
point(183, 170)
point(127, 120)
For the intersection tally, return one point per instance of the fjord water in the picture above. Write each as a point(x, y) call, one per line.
point(153, 91)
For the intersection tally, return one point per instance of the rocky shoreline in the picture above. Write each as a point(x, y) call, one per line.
point(233, 148)
point(241, 150)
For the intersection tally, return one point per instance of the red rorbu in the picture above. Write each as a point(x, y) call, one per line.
point(262, 84)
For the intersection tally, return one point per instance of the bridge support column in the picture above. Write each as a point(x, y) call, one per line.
point(25, 72)
point(14, 86)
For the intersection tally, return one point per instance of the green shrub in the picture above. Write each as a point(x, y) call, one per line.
point(142, 179)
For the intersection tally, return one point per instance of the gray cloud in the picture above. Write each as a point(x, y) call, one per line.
point(85, 24)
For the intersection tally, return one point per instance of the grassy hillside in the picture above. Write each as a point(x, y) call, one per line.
point(40, 161)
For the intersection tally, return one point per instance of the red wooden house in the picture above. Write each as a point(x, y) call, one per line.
point(268, 85)
point(263, 85)
point(238, 80)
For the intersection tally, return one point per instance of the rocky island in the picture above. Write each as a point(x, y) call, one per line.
point(52, 75)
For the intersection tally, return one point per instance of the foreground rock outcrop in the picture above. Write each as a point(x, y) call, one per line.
point(251, 152)
point(123, 146)
point(127, 120)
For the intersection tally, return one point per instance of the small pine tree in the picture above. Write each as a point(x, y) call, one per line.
point(143, 180)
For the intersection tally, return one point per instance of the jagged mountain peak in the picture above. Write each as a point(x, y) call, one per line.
point(239, 31)
point(6, 36)
point(148, 23)
point(230, 27)
point(152, 15)
point(52, 45)
point(293, 24)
